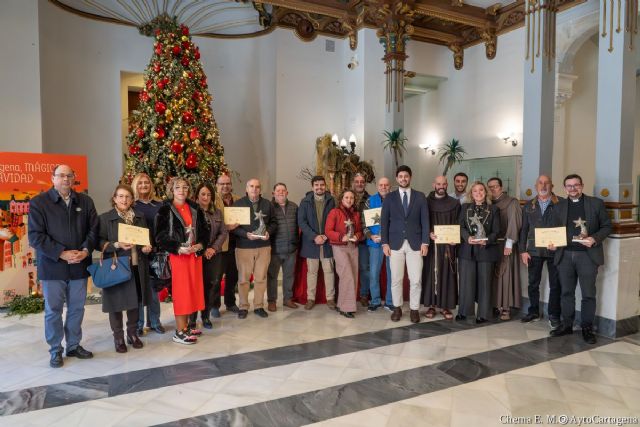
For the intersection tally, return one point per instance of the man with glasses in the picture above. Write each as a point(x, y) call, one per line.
point(587, 225)
point(63, 229)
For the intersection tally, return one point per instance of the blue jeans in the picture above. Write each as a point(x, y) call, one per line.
point(56, 292)
point(363, 266)
point(375, 264)
point(153, 312)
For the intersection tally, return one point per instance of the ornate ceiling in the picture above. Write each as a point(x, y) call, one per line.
point(456, 24)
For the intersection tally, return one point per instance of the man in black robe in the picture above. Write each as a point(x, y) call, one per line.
point(440, 267)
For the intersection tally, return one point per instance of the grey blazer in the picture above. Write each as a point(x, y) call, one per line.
point(598, 226)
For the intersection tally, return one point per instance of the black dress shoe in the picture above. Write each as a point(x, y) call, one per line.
point(588, 336)
point(134, 340)
point(207, 323)
point(480, 320)
point(158, 329)
point(233, 309)
point(121, 347)
point(530, 317)
point(562, 330)
point(56, 360)
point(242, 314)
point(260, 312)
point(414, 316)
point(460, 317)
point(396, 315)
point(80, 353)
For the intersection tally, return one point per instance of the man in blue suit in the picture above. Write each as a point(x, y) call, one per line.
point(405, 238)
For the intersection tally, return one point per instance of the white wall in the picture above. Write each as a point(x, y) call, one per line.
point(473, 105)
point(20, 77)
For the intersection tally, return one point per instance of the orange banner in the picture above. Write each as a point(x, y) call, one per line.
point(22, 173)
point(23, 176)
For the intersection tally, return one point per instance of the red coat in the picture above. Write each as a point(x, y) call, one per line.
point(335, 227)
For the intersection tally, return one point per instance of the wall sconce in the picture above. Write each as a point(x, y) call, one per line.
point(428, 149)
point(508, 138)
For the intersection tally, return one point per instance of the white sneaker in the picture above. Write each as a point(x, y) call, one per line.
point(182, 338)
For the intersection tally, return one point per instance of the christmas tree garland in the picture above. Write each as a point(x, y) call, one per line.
point(174, 133)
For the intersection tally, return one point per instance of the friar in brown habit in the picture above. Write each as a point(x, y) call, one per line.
point(440, 266)
point(506, 288)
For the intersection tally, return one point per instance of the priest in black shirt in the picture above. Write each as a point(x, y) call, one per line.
point(587, 224)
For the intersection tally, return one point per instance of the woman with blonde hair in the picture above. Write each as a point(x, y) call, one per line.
point(478, 252)
point(181, 230)
point(147, 204)
point(127, 296)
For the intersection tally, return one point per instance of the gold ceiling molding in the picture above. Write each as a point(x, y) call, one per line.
point(451, 23)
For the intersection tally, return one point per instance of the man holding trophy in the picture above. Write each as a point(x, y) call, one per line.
point(253, 248)
point(587, 225)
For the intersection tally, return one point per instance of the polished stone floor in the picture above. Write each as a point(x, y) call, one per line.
point(303, 367)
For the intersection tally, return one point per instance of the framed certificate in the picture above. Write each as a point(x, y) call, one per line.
point(372, 216)
point(237, 215)
point(133, 235)
point(547, 236)
point(447, 233)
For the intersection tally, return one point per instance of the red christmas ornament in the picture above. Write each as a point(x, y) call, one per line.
point(197, 96)
point(149, 84)
point(139, 133)
point(187, 117)
point(184, 61)
point(158, 49)
point(160, 132)
point(185, 30)
point(176, 147)
point(157, 31)
point(144, 96)
point(197, 54)
point(192, 161)
point(176, 50)
point(134, 149)
point(160, 107)
point(203, 81)
point(190, 75)
point(194, 134)
point(185, 45)
point(156, 67)
point(160, 85)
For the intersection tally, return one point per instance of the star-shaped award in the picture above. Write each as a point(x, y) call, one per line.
point(349, 225)
point(582, 225)
point(376, 219)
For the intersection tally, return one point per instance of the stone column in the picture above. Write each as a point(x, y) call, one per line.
point(618, 283)
point(539, 94)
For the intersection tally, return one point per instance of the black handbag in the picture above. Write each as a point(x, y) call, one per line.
point(110, 273)
point(159, 266)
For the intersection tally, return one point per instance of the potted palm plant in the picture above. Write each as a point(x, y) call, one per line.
point(450, 154)
point(395, 142)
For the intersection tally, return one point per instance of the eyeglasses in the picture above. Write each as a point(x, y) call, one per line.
point(573, 187)
point(124, 196)
point(492, 187)
point(64, 175)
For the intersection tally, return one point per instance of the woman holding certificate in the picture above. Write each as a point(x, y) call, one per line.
point(344, 230)
point(478, 252)
point(128, 295)
point(182, 231)
point(212, 261)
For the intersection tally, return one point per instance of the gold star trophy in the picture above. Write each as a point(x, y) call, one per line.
point(582, 225)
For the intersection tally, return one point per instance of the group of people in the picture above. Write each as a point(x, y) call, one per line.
point(329, 233)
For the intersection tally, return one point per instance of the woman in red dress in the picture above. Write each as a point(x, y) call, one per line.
point(182, 231)
point(344, 230)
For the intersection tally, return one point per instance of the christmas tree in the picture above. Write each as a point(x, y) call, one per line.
point(173, 133)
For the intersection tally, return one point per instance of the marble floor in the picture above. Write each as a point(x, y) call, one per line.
point(303, 367)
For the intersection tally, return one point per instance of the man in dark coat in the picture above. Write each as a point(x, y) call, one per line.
point(405, 239)
point(538, 213)
point(315, 247)
point(440, 267)
point(588, 225)
point(63, 229)
point(284, 246)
